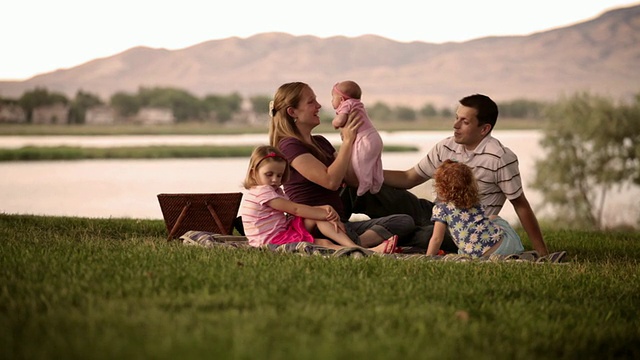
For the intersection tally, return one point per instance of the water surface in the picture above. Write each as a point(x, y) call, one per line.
point(128, 188)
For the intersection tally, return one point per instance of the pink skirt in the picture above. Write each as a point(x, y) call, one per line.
point(296, 232)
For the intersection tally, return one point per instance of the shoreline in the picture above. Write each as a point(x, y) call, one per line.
point(49, 153)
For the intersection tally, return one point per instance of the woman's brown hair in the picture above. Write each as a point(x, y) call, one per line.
point(282, 125)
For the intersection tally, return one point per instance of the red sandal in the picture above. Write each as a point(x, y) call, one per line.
point(391, 244)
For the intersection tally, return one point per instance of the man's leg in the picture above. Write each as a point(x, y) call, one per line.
point(390, 201)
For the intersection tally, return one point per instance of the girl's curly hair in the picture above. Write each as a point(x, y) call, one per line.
point(455, 182)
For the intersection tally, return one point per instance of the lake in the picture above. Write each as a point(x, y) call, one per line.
point(129, 188)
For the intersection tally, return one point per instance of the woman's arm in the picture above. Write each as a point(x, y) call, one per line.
point(330, 177)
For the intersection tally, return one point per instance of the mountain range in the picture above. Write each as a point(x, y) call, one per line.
point(601, 55)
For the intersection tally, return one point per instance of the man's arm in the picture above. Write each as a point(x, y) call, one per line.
point(530, 223)
point(403, 179)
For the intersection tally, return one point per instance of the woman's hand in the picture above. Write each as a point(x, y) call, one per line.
point(333, 217)
point(350, 129)
point(332, 214)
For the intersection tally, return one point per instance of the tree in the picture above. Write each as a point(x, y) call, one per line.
point(405, 113)
point(428, 110)
point(125, 104)
point(522, 109)
point(379, 112)
point(592, 147)
point(8, 101)
point(39, 97)
point(80, 104)
point(446, 112)
point(183, 104)
point(260, 103)
point(632, 112)
point(223, 106)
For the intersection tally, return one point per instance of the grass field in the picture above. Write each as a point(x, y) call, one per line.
point(35, 153)
point(195, 128)
point(75, 288)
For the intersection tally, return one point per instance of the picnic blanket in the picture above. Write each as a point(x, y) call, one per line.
point(212, 240)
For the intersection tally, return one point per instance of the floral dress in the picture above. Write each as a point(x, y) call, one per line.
point(472, 231)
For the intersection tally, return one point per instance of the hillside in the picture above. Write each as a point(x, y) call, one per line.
point(599, 55)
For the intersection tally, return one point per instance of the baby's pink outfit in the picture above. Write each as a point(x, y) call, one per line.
point(366, 158)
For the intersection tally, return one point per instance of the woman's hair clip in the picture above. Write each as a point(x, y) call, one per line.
point(272, 111)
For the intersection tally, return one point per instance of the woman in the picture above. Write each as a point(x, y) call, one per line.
point(318, 172)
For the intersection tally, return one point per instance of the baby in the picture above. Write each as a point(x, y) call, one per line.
point(366, 160)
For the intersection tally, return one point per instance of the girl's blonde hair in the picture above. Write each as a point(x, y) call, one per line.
point(262, 155)
point(282, 125)
point(455, 183)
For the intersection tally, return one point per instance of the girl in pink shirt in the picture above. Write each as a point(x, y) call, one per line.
point(269, 217)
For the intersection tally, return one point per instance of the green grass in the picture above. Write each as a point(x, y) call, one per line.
point(33, 153)
point(195, 128)
point(74, 288)
point(127, 129)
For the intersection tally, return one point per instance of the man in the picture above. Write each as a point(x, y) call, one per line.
point(495, 166)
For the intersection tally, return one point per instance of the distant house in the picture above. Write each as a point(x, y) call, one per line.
point(100, 115)
point(51, 114)
point(247, 116)
point(154, 116)
point(12, 113)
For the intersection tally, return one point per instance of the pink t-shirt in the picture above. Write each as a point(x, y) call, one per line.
point(349, 105)
point(261, 222)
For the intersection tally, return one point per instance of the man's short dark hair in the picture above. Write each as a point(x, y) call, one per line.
point(487, 108)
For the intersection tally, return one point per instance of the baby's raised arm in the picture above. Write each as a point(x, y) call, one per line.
point(339, 121)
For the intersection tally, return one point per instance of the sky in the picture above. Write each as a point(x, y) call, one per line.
point(40, 36)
